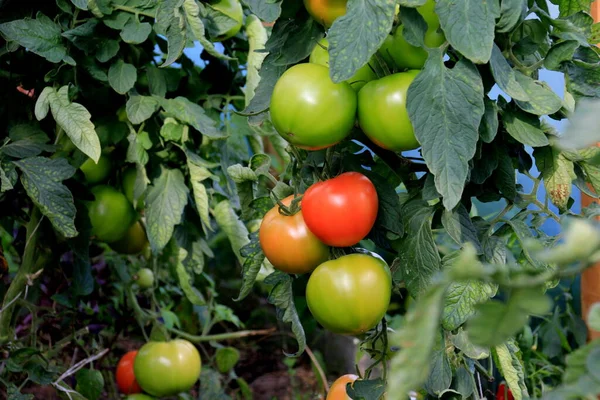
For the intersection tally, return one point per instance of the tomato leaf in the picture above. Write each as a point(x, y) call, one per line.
point(140, 108)
point(440, 373)
point(192, 114)
point(505, 76)
point(569, 7)
point(469, 26)
point(197, 175)
point(27, 140)
point(257, 38)
point(165, 202)
point(542, 100)
point(366, 389)
point(489, 123)
point(458, 224)
point(135, 32)
point(412, 3)
point(254, 258)
point(508, 360)
point(122, 76)
point(557, 172)
point(233, 227)
point(195, 27)
point(90, 383)
point(505, 176)
point(560, 53)
point(226, 358)
point(41, 177)
point(461, 341)
point(267, 11)
point(282, 297)
point(524, 127)
point(356, 36)
point(414, 26)
point(457, 96)
point(186, 281)
point(83, 281)
point(107, 50)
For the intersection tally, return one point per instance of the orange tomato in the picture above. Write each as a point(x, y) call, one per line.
point(125, 376)
point(338, 389)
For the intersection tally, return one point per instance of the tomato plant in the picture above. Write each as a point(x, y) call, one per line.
point(233, 10)
point(309, 110)
point(167, 368)
point(125, 376)
point(288, 243)
point(110, 213)
point(337, 391)
point(341, 211)
point(96, 172)
point(325, 11)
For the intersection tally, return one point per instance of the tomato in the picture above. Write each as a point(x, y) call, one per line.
point(145, 278)
point(320, 55)
point(382, 113)
point(128, 184)
point(396, 51)
point(134, 241)
point(110, 213)
point(288, 243)
point(325, 11)
point(309, 110)
point(350, 295)
point(233, 9)
point(139, 397)
point(96, 173)
point(504, 393)
point(341, 211)
point(338, 388)
point(167, 368)
point(124, 374)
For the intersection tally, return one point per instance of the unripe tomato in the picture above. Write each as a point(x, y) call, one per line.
point(96, 173)
point(145, 278)
point(309, 110)
point(320, 55)
point(338, 388)
point(325, 11)
point(125, 376)
point(382, 113)
point(233, 9)
point(167, 368)
point(350, 295)
point(134, 241)
point(110, 213)
point(288, 243)
point(139, 397)
point(341, 211)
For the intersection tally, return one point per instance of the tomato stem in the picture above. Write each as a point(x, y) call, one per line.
point(221, 336)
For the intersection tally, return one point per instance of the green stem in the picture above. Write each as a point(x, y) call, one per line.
point(133, 10)
point(221, 336)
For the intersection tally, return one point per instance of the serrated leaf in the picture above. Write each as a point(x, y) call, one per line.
point(257, 38)
point(196, 29)
point(461, 299)
point(558, 174)
point(197, 175)
point(186, 281)
point(235, 229)
point(469, 26)
point(293, 39)
point(26, 141)
point(165, 202)
point(511, 368)
point(267, 11)
point(569, 7)
point(357, 35)
point(542, 100)
point(440, 372)
point(122, 76)
point(505, 76)
point(192, 114)
point(461, 341)
point(135, 32)
point(460, 228)
point(524, 127)
point(254, 257)
point(140, 108)
point(41, 177)
point(457, 95)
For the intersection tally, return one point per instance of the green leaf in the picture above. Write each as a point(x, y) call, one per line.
point(226, 358)
point(542, 100)
point(117, 20)
point(356, 36)
point(461, 299)
point(511, 368)
point(440, 373)
point(210, 386)
point(41, 36)
point(267, 11)
point(26, 141)
point(107, 50)
point(73, 118)
point(489, 123)
point(366, 389)
point(186, 282)
point(448, 136)
point(505, 76)
point(414, 26)
point(416, 339)
point(469, 26)
point(593, 319)
point(282, 297)
point(524, 127)
point(412, 3)
point(165, 202)
point(558, 174)
point(257, 38)
point(293, 39)
point(505, 177)
point(569, 7)
point(140, 108)
point(196, 29)
point(458, 224)
point(138, 144)
point(417, 251)
point(157, 82)
point(511, 13)
point(83, 281)
point(197, 175)
point(235, 229)
point(254, 257)
point(560, 53)
point(269, 74)
point(41, 177)
point(13, 393)
point(122, 76)
point(192, 114)
point(82, 5)
point(135, 32)
point(461, 341)
point(90, 383)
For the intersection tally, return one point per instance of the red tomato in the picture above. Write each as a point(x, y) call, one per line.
point(338, 389)
point(125, 376)
point(504, 393)
point(341, 211)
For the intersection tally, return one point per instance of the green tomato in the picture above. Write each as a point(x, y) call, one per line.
point(96, 173)
point(320, 55)
point(139, 396)
point(110, 213)
point(351, 294)
point(134, 241)
point(167, 368)
point(309, 110)
point(325, 11)
point(233, 9)
point(382, 113)
point(145, 278)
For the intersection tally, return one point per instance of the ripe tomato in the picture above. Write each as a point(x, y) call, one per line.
point(134, 241)
point(320, 55)
point(96, 173)
point(349, 295)
point(504, 393)
point(145, 278)
point(341, 211)
point(309, 110)
point(338, 389)
point(111, 214)
point(288, 243)
point(167, 368)
point(382, 113)
point(396, 51)
point(233, 9)
point(124, 374)
point(325, 11)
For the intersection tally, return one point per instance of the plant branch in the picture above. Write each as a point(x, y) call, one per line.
point(133, 10)
point(221, 336)
point(78, 366)
point(318, 367)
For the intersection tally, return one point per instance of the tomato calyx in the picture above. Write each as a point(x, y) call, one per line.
point(290, 210)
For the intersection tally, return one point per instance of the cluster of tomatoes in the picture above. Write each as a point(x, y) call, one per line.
point(113, 213)
point(160, 369)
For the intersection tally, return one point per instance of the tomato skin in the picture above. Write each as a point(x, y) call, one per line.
point(233, 9)
point(350, 295)
point(338, 388)
point(288, 243)
point(309, 110)
point(110, 213)
point(341, 211)
point(504, 393)
point(167, 368)
point(325, 11)
point(96, 173)
point(145, 278)
point(139, 396)
point(320, 55)
point(135, 240)
point(382, 113)
point(125, 376)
